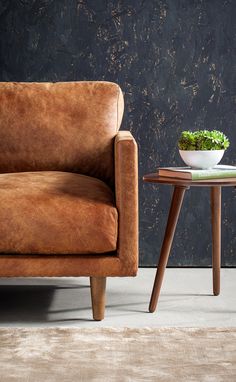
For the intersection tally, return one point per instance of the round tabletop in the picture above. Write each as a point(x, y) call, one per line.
point(155, 178)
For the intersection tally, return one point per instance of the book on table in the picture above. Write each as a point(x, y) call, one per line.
point(217, 172)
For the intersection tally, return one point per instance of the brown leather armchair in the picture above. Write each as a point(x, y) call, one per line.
point(68, 184)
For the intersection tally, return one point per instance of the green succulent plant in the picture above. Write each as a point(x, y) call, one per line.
point(203, 140)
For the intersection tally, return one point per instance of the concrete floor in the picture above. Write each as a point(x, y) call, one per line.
point(186, 300)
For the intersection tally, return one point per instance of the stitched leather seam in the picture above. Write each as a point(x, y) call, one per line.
point(117, 116)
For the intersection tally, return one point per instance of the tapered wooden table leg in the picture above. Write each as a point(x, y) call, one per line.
point(175, 208)
point(216, 237)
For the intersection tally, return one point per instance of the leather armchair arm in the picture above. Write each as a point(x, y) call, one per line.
point(126, 192)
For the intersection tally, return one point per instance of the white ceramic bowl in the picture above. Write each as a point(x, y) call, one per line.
point(202, 159)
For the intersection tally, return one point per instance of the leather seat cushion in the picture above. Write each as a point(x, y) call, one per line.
point(53, 212)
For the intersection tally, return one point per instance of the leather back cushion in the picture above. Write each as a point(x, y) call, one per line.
point(64, 126)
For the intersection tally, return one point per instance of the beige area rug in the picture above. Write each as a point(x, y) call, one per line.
point(108, 355)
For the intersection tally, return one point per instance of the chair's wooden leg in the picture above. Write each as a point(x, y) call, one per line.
point(98, 296)
point(216, 237)
point(175, 208)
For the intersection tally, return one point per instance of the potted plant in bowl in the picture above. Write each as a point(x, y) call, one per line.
point(202, 149)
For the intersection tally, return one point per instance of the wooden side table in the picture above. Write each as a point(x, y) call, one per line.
point(180, 186)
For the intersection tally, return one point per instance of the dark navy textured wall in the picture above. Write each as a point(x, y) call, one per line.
point(175, 61)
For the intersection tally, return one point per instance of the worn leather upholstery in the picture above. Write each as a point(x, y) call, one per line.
point(56, 132)
point(52, 212)
point(126, 189)
point(66, 126)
